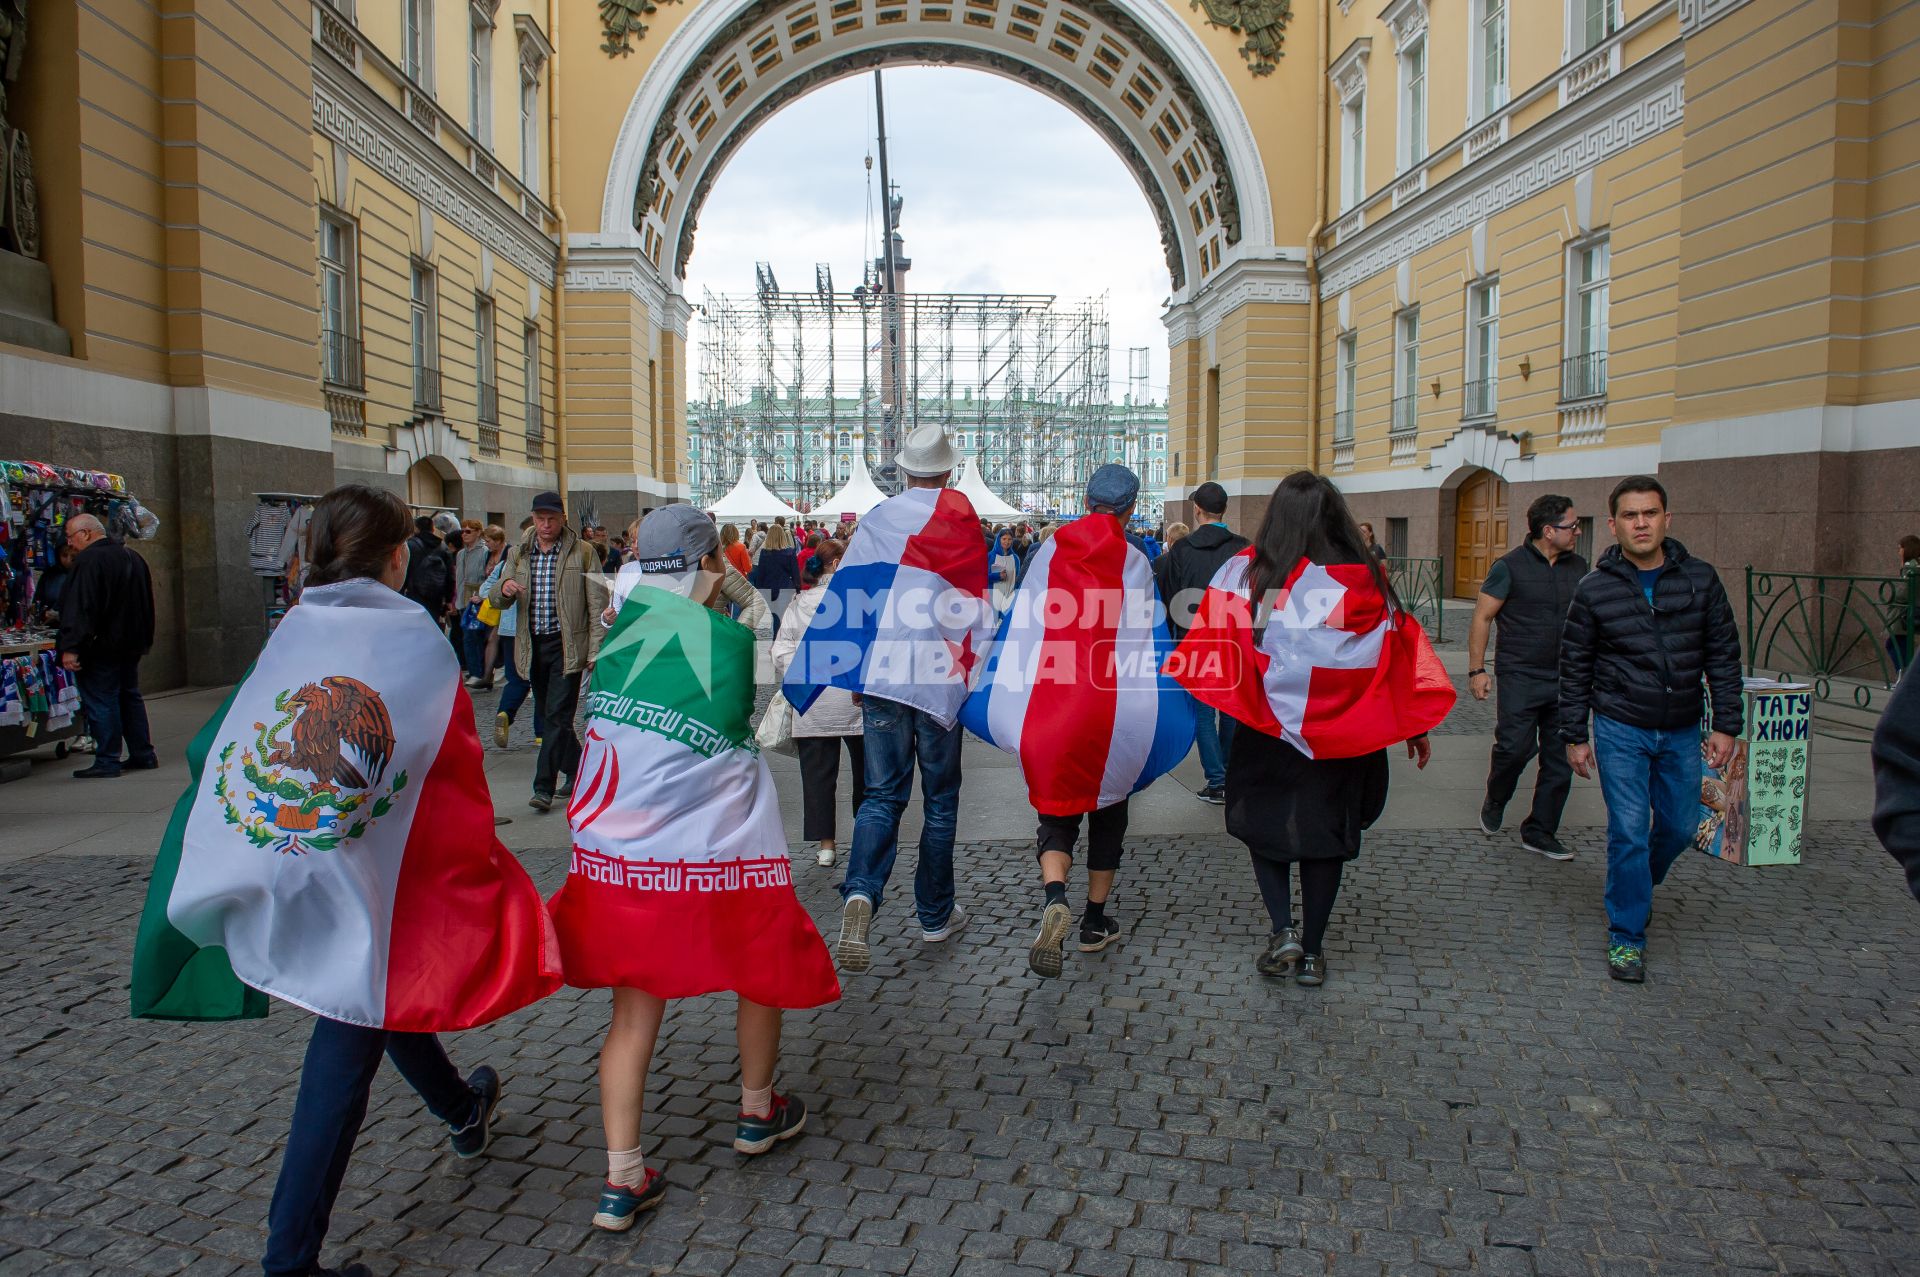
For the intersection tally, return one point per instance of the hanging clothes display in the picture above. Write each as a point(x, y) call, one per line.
point(277, 549)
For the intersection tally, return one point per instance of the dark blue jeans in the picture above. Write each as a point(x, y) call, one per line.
point(475, 644)
point(518, 689)
point(116, 713)
point(1213, 737)
point(341, 1062)
point(896, 736)
point(1651, 782)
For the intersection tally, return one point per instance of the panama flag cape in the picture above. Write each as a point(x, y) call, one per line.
point(1337, 672)
point(335, 845)
point(1073, 686)
point(680, 883)
point(905, 615)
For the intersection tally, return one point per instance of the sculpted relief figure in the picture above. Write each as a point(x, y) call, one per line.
point(19, 214)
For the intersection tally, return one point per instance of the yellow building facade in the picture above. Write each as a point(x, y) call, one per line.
point(1453, 252)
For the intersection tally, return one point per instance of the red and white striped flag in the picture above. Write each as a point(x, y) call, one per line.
point(1336, 671)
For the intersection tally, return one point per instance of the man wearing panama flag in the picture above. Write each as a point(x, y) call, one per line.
point(335, 850)
point(1074, 689)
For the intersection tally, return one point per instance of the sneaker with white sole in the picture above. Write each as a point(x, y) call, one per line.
point(1095, 936)
point(853, 952)
point(824, 858)
point(755, 1134)
point(1491, 814)
point(620, 1205)
point(501, 726)
point(956, 923)
point(1546, 845)
point(1044, 957)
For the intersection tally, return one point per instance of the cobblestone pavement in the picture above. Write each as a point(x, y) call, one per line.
point(1468, 1093)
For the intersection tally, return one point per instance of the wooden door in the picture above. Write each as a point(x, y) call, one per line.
point(1480, 530)
point(424, 485)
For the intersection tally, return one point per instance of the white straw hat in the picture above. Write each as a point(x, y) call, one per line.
point(927, 453)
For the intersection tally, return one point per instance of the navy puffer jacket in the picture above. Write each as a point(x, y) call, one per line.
point(1644, 665)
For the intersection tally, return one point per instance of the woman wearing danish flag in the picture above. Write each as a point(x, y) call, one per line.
point(1300, 637)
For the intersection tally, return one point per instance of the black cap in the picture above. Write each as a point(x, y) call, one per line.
point(1209, 496)
point(550, 501)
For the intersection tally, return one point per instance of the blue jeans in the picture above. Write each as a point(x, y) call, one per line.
point(1213, 736)
point(116, 713)
point(475, 644)
point(896, 734)
point(341, 1062)
point(1651, 782)
point(518, 689)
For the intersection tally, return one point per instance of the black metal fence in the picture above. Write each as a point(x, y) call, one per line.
point(1418, 582)
point(1849, 636)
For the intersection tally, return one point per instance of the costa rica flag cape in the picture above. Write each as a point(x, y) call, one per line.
point(1073, 685)
point(335, 845)
point(906, 615)
point(680, 883)
point(1336, 670)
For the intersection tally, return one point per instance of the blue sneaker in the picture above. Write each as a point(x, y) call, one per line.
point(620, 1205)
point(758, 1134)
point(472, 1139)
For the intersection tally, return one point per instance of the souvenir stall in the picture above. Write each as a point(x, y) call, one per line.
point(39, 701)
point(276, 548)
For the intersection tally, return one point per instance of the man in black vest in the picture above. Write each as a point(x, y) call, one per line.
point(1529, 589)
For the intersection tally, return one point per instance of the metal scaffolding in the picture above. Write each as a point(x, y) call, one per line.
point(797, 380)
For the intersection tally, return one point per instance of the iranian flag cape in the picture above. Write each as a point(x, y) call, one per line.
point(680, 883)
point(335, 845)
point(1336, 671)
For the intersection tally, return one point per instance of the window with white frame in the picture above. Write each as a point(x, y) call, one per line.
point(1483, 349)
point(416, 41)
point(339, 300)
point(1589, 22)
point(530, 133)
point(1406, 369)
point(1346, 368)
point(846, 439)
point(1583, 371)
point(480, 76)
point(1487, 76)
point(530, 377)
point(425, 338)
point(486, 379)
point(1413, 102)
point(846, 468)
point(1353, 151)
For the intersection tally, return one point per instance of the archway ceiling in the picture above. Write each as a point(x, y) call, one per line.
point(1093, 58)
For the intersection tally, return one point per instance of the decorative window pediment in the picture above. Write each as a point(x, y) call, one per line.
point(1406, 19)
point(1349, 73)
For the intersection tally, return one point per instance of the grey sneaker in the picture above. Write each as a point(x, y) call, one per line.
point(853, 952)
point(1282, 952)
point(501, 726)
point(956, 923)
point(1313, 970)
point(1546, 845)
point(1055, 921)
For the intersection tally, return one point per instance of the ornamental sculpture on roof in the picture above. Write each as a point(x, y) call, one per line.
point(1263, 22)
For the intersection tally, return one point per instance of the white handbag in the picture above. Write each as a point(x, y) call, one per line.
point(775, 733)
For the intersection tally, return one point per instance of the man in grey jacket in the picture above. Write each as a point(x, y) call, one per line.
point(558, 577)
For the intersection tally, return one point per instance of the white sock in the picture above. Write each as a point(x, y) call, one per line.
point(757, 1103)
point(626, 1168)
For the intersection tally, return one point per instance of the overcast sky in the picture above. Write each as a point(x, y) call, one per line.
point(1005, 189)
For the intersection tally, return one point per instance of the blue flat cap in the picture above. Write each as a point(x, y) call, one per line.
point(1112, 488)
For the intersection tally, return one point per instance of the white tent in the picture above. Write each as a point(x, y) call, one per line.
point(985, 503)
point(750, 499)
point(856, 496)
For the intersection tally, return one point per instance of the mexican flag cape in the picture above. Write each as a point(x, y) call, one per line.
point(335, 845)
point(680, 883)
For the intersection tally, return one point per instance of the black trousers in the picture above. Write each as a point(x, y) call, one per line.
point(556, 694)
point(1106, 830)
point(1319, 888)
point(1526, 713)
point(820, 782)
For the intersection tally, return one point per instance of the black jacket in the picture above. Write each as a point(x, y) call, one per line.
point(1641, 664)
point(777, 570)
point(429, 574)
point(1896, 778)
point(106, 607)
point(1186, 566)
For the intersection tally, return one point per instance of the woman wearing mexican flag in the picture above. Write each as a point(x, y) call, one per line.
point(335, 850)
point(680, 884)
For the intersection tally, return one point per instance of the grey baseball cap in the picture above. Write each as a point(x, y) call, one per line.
point(1113, 488)
point(674, 538)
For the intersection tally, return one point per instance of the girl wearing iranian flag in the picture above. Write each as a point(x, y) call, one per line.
point(680, 884)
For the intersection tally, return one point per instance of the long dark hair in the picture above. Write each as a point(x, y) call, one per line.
point(825, 555)
point(354, 530)
point(1307, 518)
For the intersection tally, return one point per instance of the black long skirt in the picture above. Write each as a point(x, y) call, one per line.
point(1286, 806)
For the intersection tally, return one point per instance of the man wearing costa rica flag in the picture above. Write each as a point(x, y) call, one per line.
point(1300, 638)
point(1074, 690)
point(335, 850)
point(904, 624)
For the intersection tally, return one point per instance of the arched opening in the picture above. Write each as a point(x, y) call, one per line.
point(433, 481)
point(1479, 529)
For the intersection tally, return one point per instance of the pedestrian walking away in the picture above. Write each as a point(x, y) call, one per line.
point(248, 900)
point(1181, 574)
point(905, 622)
point(679, 884)
point(505, 639)
point(1308, 773)
point(1527, 593)
point(832, 723)
point(558, 575)
point(1648, 627)
point(106, 626)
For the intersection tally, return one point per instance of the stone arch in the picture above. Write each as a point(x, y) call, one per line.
point(1136, 73)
